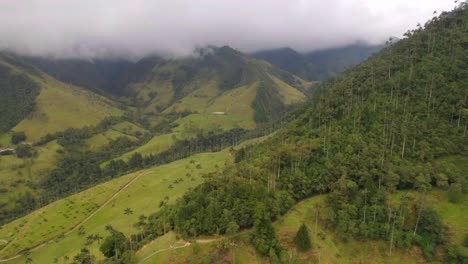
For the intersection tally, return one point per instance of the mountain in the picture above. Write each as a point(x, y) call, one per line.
point(372, 168)
point(212, 80)
point(98, 75)
point(38, 104)
point(155, 84)
point(321, 64)
point(386, 142)
point(75, 134)
point(287, 59)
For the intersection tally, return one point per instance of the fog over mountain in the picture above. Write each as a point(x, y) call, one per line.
point(90, 28)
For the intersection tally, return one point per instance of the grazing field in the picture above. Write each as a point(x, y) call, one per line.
point(98, 141)
point(60, 106)
point(105, 204)
point(289, 94)
point(129, 129)
point(155, 146)
point(18, 174)
point(5, 139)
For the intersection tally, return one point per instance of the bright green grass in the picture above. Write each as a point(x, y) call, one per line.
point(155, 146)
point(101, 140)
point(157, 245)
point(60, 106)
point(197, 100)
point(209, 122)
point(331, 249)
point(142, 197)
point(199, 251)
point(16, 173)
point(289, 94)
point(56, 218)
point(195, 253)
point(453, 215)
point(236, 104)
point(128, 128)
point(5, 139)
point(164, 92)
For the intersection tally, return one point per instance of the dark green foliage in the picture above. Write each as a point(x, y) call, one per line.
point(264, 236)
point(379, 128)
point(24, 151)
point(128, 257)
point(319, 65)
point(136, 161)
point(98, 75)
point(430, 231)
point(17, 97)
point(331, 62)
point(302, 238)
point(232, 228)
point(454, 193)
point(84, 257)
point(267, 105)
point(18, 137)
point(115, 244)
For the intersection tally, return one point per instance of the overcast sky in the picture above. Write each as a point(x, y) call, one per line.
point(139, 27)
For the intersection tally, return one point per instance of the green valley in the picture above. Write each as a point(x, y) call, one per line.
point(115, 153)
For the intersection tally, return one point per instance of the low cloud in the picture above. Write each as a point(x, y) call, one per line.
point(109, 28)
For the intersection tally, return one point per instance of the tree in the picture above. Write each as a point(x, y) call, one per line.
point(84, 257)
point(115, 244)
point(264, 236)
point(24, 151)
point(136, 161)
point(18, 137)
point(302, 238)
point(81, 231)
point(232, 228)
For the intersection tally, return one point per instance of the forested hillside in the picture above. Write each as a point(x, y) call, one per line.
point(101, 75)
point(321, 64)
point(395, 122)
point(17, 96)
point(377, 157)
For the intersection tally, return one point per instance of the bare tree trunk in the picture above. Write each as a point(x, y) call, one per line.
point(403, 149)
point(391, 237)
point(419, 216)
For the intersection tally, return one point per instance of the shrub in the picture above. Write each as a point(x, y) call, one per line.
point(302, 238)
point(24, 151)
point(18, 137)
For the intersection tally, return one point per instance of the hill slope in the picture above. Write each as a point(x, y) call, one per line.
point(98, 75)
point(321, 64)
point(203, 83)
point(43, 105)
point(383, 126)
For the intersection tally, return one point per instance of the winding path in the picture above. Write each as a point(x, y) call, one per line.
point(186, 244)
point(80, 223)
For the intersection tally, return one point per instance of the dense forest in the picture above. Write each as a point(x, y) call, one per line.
point(376, 129)
point(17, 95)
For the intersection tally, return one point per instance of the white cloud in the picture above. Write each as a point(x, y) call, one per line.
point(103, 27)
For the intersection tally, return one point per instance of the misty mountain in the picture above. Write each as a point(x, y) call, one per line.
point(101, 75)
point(211, 76)
point(318, 65)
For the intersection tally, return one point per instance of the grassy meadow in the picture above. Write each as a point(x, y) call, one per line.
point(102, 205)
